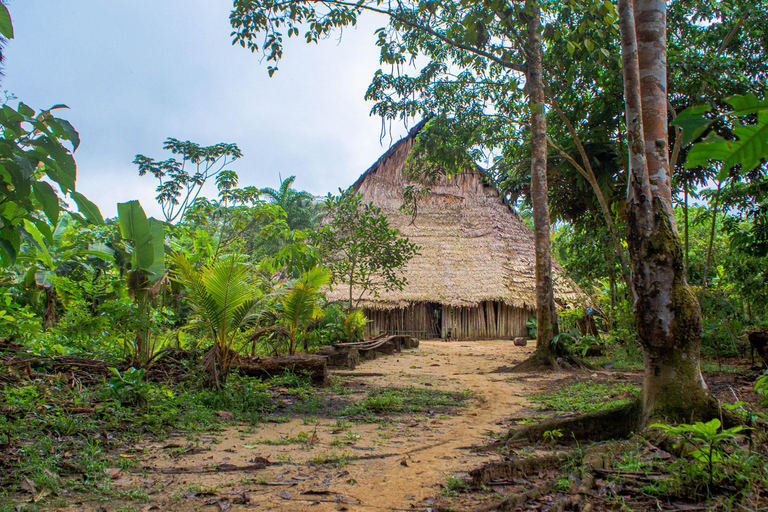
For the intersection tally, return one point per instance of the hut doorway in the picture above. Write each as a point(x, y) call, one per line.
point(434, 320)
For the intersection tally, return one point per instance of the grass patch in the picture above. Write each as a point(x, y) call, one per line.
point(587, 396)
point(405, 400)
point(621, 357)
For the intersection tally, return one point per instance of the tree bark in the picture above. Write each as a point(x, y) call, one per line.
point(546, 314)
point(685, 227)
point(667, 314)
point(265, 367)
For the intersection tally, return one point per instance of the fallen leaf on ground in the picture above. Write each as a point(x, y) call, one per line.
point(225, 415)
point(28, 485)
point(112, 473)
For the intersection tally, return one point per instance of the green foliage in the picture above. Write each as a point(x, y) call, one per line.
point(223, 297)
point(301, 210)
point(707, 441)
point(359, 248)
point(552, 436)
point(761, 388)
point(452, 486)
point(6, 26)
point(587, 396)
point(145, 238)
point(751, 140)
point(33, 151)
point(129, 387)
point(301, 303)
point(354, 324)
point(532, 327)
point(179, 187)
point(411, 399)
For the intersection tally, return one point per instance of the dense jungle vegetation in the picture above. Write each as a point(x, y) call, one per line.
point(138, 321)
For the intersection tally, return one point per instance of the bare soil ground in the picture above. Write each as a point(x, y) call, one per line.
point(327, 463)
point(399, 458)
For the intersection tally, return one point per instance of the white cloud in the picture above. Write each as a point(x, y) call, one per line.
point(138, 72)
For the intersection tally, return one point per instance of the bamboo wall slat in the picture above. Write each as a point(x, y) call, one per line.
point(487, 320)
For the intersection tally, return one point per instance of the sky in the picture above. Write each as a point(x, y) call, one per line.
point(135, 73)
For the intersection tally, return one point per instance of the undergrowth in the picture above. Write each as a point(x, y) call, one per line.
point(587, 396)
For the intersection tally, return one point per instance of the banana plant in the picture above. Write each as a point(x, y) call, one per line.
point(301, 304)
point(223, 297)
point(49, 259)
point(143, 247)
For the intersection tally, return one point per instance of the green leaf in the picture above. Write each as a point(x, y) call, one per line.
point(6, 25)
point(74, 136)
point(9, 248)
point(135, 227)
point(48, 199)
point(693, 122)
point(750, 146)
point(157, 269)
point(42, 250)
point(58, 233)
point(747, 151)
point(571, 48)
point(747, 104)
point(87, 208)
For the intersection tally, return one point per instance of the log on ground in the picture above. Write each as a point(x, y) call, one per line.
point(340, 357)
point(314, 366)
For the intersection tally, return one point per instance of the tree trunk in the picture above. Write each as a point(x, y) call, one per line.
point(667, 314)
point(265, 367)
point(546, 314)
point(685, 227)
point(708, 261)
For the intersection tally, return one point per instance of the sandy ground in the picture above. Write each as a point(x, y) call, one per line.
point(397, 465)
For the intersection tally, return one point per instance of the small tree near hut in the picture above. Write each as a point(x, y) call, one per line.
point(359, 248)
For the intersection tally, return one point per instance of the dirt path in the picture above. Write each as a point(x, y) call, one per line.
point(397, 465)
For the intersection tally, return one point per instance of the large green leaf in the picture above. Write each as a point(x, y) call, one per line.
point(135, 227)
point(6, 26)
point(43, 254)
point(58, 233)
point(48, 199)
point(693, 122)
point(747, 104)
point(157, 269)
point(87, 208)
point(750, 146)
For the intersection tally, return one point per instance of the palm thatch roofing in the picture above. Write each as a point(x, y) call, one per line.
point(474, 247)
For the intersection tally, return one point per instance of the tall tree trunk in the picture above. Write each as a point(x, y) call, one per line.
point(685, 227)
point(667, 314)
point(546, 314)
point(708, 261)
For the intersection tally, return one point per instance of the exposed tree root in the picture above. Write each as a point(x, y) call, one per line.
point(548, 360)
point(514, 501)
point(598, 426)
point(518, 468)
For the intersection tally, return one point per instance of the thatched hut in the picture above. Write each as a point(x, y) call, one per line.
point(474, 276)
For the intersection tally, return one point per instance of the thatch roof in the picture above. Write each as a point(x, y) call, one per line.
point(474, 247)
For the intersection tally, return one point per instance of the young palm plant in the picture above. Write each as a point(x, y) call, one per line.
point(301, 304)
point(223, 298)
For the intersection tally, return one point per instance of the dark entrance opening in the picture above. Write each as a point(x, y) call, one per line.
point(434, 320)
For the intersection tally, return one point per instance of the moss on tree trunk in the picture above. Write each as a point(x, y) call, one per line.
point(669, 324)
